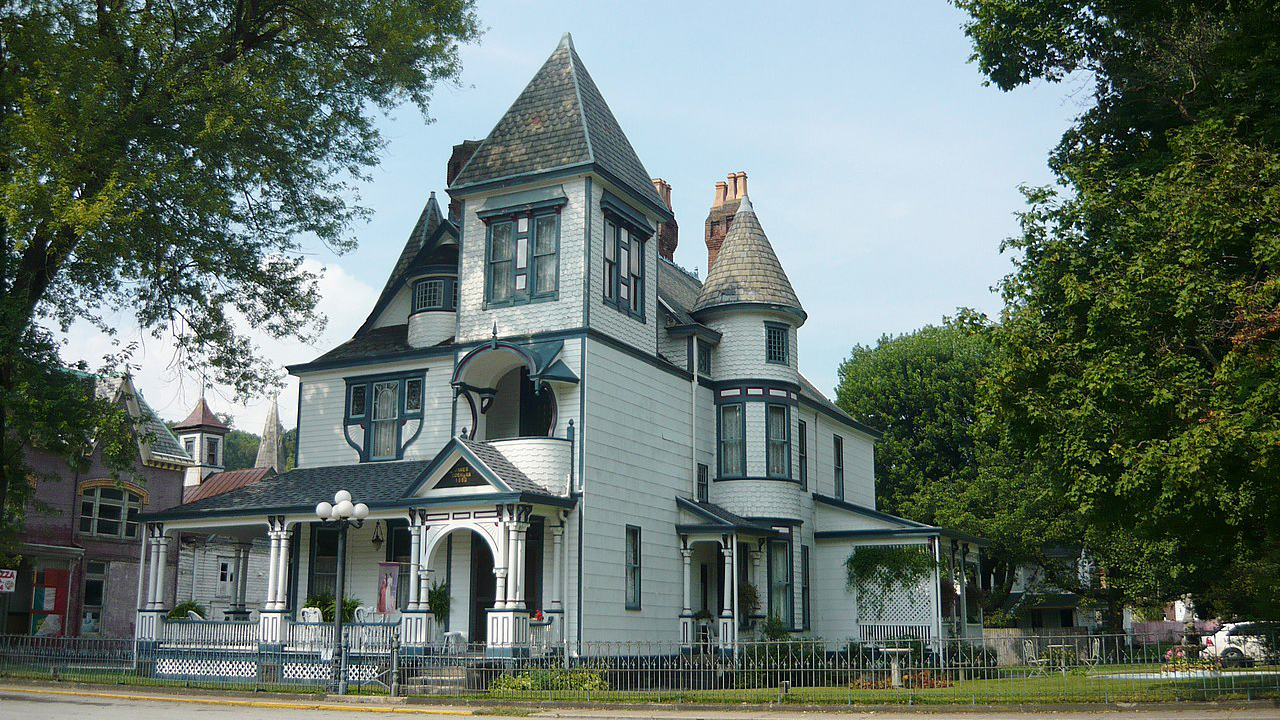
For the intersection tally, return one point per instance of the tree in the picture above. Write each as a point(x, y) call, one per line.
point(166, 158)
point(240, 450)
point(290, 442)
point(1137, 371)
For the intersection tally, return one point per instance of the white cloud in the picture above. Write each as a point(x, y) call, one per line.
point(172, 391)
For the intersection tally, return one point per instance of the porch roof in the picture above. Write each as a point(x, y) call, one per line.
point(718, 520)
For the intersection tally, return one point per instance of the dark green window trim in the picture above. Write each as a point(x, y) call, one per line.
point(806, 598)
point(802, 442)
point(704, 359)
point(624, 263)
point(776, 342)
point(511, 277)
point(633, 568)
point(771, 440)
point(722, 447)
point(434, 294)
point(788, 616)
point(410, 400)
point(704, 483)
point(837, 458)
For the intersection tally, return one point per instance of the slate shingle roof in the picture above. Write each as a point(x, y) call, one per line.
point(811, 392)
point(370, 343)
point(367, 482)
point(431, 222)
point(201, 416)
point(499, 463)
point(677, 289)
point(162, 441)
point(560, 120)
point(746, 269)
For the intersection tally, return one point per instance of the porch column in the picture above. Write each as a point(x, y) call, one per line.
point(151, 568)
point(509, 619)
point(686, 612)
point(415, 562)
point(273, 569)
point(147, 625)
point(162, 547)
point(500, 567)
point(728, 615)
point(517, 566)
point(423, 577)
point(760, 579)
point(557, 547)
point(242, 576)
point(282, 577)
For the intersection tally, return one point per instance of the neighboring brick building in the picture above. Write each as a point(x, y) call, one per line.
point(79, 569)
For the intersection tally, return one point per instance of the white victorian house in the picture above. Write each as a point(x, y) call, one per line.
point(569, 435)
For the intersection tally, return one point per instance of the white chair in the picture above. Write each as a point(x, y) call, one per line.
point(1093, 657)
point(193, 615)
point(311, 615)
point(455, 641)
point(362, 613)
point(1037, 664)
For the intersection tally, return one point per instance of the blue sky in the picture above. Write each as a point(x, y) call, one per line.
point(883, 171)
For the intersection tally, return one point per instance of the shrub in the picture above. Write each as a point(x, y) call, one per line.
point(579, 678)
point(179, 611)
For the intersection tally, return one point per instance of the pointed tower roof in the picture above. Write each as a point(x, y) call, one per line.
point(431, 230)
point(202, 418)
point(271, 447)
point(560, 122)
point(746, 270)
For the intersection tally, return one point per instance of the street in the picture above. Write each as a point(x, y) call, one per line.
point(60, 704)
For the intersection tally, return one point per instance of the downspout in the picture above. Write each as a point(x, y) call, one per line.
point(693, 417)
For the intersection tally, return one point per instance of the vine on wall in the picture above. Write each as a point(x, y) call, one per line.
point(875, 571)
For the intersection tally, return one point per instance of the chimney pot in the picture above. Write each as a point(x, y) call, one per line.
point(733, 186)
point(742, 184)
point(722, 194)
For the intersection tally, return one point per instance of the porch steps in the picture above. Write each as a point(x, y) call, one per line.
point(436, 680)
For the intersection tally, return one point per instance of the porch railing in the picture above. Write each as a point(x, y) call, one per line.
point(878, 632)
point(209, 634)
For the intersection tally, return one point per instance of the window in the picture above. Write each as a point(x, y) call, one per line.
point(733, 452)
point(413, 395)
point(523, 258)
point(837, 449)
point(211, 451)
point(802, 439)
point(95, 589)
point(358, 395)
point(704, 359)
point(779, 447)
point(780, 581)
point(189, 445)
point(633, 568)
point(704, 484)
point(109, 512)
point(428, 295)
point(324, 561)
point(226, 577)
point(376, 411)
point(775, 344)
point(624, 268)
point(804, 587)
point(386, 420)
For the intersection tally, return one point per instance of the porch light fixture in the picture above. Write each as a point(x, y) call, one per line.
point(377, 535)
point(341, 513)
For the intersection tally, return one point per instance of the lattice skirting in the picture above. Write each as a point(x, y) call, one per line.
point(321, 672)
point(206, 667)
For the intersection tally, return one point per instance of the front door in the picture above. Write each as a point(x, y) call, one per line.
point(484, 590)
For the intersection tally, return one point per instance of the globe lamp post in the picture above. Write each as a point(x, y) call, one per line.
point(341, 513)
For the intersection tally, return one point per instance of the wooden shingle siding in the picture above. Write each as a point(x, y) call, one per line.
point(642, 335)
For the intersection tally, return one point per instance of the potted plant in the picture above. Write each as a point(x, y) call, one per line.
point(438, 599)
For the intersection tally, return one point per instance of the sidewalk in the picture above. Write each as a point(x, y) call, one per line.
point(290, 706)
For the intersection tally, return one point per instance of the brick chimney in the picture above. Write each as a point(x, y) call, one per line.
point(669, 231)
point(462, 152)
point(724, 204)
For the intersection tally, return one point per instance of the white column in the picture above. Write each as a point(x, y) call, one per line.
point(282, 578)
point(522, 545)
point(423, 576)
point(163, 547)
point(501, 564)
point(513, 565)
point(685, 560)
point(272, 569)
point(242, 576)
point(415, 561)
point(557, 547)
point(728, 577)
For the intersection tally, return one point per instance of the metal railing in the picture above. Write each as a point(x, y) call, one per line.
point(1031, 669)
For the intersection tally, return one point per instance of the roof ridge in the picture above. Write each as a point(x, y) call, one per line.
point(567, 40)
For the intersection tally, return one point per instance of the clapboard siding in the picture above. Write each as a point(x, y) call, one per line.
point(198, 573)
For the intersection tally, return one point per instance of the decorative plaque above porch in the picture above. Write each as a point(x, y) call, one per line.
point(461, 475)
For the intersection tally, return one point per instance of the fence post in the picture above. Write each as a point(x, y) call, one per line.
point(395, 665)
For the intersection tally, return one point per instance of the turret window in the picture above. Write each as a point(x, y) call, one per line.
point(428, 295)
point(523, 259)
point(779, 442)
point(211, 451)
point(775, 344)
point(733, 450)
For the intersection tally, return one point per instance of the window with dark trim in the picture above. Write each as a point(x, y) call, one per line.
point(704, 359)
point(109, 512)
point(428, 294)
point(733, 450)
point(804, 588)
point(775, 344)
point(704, 483)
point(777, 427)
point(522, 256)
point(95, 593)
point(324, 561)
point(379, 406)
point(633, 568)
point(802, 445)
point(211, 451)
point(624, 272)
point(189, 445)
point(780, 579)
point(837, 451)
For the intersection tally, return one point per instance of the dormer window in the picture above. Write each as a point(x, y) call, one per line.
point(428, 295)
point(775, 344)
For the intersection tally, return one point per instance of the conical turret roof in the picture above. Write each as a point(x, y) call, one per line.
point(560, 121)
point(746, 270)
point(202, 417)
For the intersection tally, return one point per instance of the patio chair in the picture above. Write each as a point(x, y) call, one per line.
point(362, 613)
point(1093, 656)
point(311, 615)
point(1037, 664)
point(193, 615)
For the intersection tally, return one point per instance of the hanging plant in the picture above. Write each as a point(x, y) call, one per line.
point(875, 571)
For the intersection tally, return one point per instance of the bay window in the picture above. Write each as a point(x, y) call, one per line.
point(523, 258)
point(733, 451)
point(624, 264)
point(778, 426)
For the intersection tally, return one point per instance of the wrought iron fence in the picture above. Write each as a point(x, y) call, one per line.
point(1031, 669)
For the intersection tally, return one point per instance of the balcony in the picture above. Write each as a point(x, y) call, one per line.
point(547, 461)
